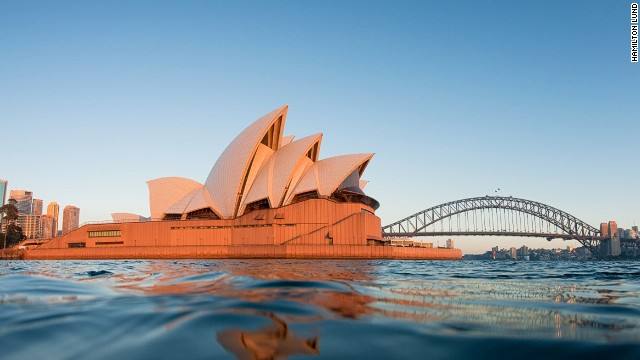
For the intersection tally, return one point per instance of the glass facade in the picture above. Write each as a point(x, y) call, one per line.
point(3, 192)
point(24, 201)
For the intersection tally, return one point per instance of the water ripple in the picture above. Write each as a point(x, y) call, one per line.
point(260, 309)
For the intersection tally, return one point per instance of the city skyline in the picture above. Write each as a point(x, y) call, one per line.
point(36, 224)
point(496, 114)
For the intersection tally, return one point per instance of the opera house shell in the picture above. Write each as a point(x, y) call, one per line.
point(268, 195)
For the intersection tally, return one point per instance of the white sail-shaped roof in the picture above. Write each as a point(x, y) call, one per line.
point(286, 140)
point(197, 199)
point(201, 199)
point(259, 168)
point(283, 171)
point(227, 181)
point(324, 176)
point(262, 157)
point(164, 192)
point(180, 206)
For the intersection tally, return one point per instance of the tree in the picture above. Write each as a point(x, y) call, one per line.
point(13, 234)
point(9, 212)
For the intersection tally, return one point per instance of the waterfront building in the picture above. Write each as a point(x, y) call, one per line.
point(47, 223)
point(610, 247)
point(36, 227)
point(409, 242)
point(31, 225)
point(620, 233)
point(514, 253)
point(3, 191)
point(604, 230)
point(53, 211)
point(36, 207)
point(523, 252)
point(268, 195)
point(613, 228)
point(628, 234)
point(23, 201)
point(583, 253)
point(615, 247)
point(70, 218)
point(450, 244)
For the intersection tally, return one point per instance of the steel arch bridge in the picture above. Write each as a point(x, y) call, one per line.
point(495, 216)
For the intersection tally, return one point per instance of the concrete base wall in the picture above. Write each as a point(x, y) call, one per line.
point(247, 251)
point(315, 228)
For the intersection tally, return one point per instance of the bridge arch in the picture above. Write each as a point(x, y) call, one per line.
point(567, 226)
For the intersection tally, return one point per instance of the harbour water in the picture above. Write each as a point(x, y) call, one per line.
point(264, 309)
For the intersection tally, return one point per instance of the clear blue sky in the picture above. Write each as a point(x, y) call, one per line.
point(456, 98)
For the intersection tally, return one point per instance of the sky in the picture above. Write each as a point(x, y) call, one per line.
point(456, 99)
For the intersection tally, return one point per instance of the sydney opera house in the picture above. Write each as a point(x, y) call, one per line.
point(267, 196)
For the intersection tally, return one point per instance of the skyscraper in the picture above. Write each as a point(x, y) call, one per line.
point(53, 211)
point(610, 247)
point(70, 219)
point(523, 252)
point(31, 225)
point(36, 207)
point(3, 191)
point(24, 201)
point(604, 230)
point(47, 224)
point(613, 229)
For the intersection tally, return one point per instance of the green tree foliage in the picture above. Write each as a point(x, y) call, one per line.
point(13, 234)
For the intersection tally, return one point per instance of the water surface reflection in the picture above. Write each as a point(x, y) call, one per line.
point(259, 309)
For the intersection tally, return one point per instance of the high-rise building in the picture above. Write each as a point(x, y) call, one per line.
point(524, 252)
point(31, 226)
point(24, 201)
point(3, 191)
point(613, 228)
point(514, 253)
point(610, 247)
point(47, 224)
point(494, 252)
point(70, 218)
point(604, 230)
point(53, 211)
point(36, 207)
point(36, 227)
